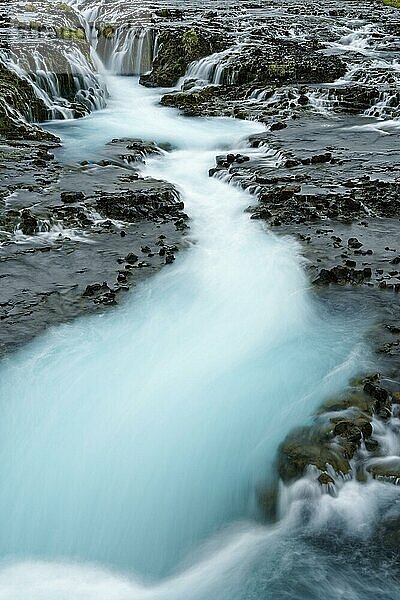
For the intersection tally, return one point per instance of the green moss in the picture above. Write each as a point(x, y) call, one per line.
point(277, 70)
point(67, 33)
point(65, 7)
point(395, 3)
point(37, 26)
point(107, 31)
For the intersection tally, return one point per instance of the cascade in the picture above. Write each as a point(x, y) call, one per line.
point(127, 50)
point(214, 69)
point(64, 80)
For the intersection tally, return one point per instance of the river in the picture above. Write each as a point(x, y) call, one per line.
point(133, 443)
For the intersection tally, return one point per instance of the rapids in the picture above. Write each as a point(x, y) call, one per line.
point(132, 444)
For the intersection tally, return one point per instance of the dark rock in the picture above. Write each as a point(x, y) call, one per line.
point(354, 243)
point(28, 224)
point(71, 197)
point(278, 125)
point(131, 258)
point(325, 479)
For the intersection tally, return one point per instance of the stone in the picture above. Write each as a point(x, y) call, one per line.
point(325, 479)
point(354, 243)
point(71, 197)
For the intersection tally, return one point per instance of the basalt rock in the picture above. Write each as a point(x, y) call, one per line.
point(154, 201)
point(18, 105)
point(176, 51)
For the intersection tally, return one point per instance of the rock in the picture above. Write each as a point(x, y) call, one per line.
point(131, 258)
point(71, 197)
point(386, 470)
point(95, 289)
point(371, 445)
point(354, 243)
point(177, 49)
point(278, 125)
point(28, 224)
point(321, 158)
point(325, 479)
point(348, 430)
point(308, 446)
point(342, 274)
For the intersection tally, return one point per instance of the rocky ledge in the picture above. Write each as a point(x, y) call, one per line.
point(85, 248)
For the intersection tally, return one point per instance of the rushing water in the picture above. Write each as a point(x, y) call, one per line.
point(132, 443)
point(129, 439)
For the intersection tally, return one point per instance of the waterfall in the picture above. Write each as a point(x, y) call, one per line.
point(126, 50)
point(65, 81)
point(214, 69)
point(386, 106)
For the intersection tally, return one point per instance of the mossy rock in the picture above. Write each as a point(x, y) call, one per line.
point(309, 446)
point(18, 105)
point(387, 470)
point(176, 51)
point(67, 33)
point(190, 102)
point(352, 399)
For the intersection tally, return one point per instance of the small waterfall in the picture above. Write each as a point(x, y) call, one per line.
point(214, 69)
point(322, 101)
point(126, 50)
point(386, 106)
point(64, 81)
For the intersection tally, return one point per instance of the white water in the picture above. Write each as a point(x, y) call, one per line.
point(129, 439)
point(128, 51)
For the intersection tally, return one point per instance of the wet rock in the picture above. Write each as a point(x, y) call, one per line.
point(343, 274)
point(71, 197)
point(177, 49)
point(325, 479)
point(96, 289)
point(145, 200)
point(278, 125)
point(28, 224)
point(309, 446)
point(386, 470)
point(354, 243)
point(131, 258)
point(321, 158)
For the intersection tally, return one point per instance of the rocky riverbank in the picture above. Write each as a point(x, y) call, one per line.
point(74, 237)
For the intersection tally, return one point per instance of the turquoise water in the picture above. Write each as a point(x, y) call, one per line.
point(132, 443)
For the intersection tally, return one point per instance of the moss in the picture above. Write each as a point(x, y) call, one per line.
point(67, 33)
point(107, 31)
point(65, 7)
point(37, 26)
point(395, 3)
point(277, 70)
point(169, 13)
point(352, 399)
